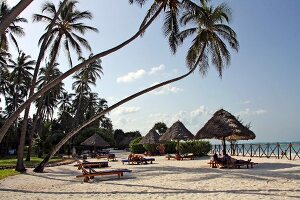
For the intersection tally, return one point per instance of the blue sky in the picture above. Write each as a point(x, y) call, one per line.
point(261, 85)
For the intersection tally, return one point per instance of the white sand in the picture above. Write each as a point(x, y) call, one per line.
point(165, 179)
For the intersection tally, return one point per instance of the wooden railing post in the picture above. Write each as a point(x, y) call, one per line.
point(278, 150)
point(290, 145)
point(268, 150)
point(259, 150)
point(250, 150)
point(243, 146)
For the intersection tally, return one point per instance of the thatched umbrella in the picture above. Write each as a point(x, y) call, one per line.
point(95, 141)
point(176, 132)
point(152, 137)
point(224, 126)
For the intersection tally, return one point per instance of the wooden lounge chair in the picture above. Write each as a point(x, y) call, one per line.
point(91, 164)
point(237, 165)
point(140, 161)
point(109, 156)
point(180, 157)
point(90, 173)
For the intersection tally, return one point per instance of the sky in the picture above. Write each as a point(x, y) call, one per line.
point(260, 86)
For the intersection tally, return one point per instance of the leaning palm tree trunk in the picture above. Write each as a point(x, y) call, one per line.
point(20, 165)
point(41, 166)
point(11, 119)
point(15, 11)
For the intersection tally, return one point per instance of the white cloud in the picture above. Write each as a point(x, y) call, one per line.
point(259, 112)
point(131, 76)
point(247, 111)
point(156, 69)
point(246, 102)
point(166, 89)
point(202, 110)
point(126, 110)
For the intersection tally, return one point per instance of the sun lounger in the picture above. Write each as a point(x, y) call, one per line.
point(91, 164)
point(180, 157)
point(90, 173)
point(109, 156)
point(140, 161)
point(214, 164)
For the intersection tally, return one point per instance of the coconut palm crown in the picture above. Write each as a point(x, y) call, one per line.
point(206, 24)
point(66, 28)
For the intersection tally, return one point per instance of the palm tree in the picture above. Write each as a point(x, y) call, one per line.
point(172, 10)
point(48, 102)
point(83, 79)
point(208, 37)
point(13, 14)
point(66, 28)
point(21, 79)
point(34, 96)
point(11, 30)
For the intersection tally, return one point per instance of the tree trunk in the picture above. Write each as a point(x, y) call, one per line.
point(32, 132)
point(69, 135)
point(14, 13)
point(32, 87)
point(56, 81)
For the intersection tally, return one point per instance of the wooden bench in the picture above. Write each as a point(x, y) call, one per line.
point(90, 173)
point(140, 161)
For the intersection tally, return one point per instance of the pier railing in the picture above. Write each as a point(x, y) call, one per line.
point(290, 151)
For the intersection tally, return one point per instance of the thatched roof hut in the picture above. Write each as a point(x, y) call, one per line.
point(224, 126)
point(152, 137)
point(176, 132)
point(95, 141)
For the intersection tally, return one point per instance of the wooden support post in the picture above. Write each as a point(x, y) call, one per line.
point(259, 150)
point(250, 150)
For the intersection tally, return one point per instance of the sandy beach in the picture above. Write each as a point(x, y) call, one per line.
point(164, 179)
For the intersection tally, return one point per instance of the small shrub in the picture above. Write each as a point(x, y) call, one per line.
point(198, 148)
point(170, 147)
point(151, 148)
point(135, 147)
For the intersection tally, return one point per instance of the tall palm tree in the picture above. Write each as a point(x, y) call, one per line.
point(21, 78)
point(67, 28)
point(11, 30)
point(208, 38)
point(48, 102)
point(83, 79)
point(10, 120)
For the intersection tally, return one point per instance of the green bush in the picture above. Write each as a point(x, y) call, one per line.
point(198, 148)
point(170, 147)
point(135, 147)
point(152, 148)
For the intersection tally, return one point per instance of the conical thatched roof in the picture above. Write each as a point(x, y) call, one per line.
point(223, 124)
point(95, 140)
point(176, 132)
point(152, 137)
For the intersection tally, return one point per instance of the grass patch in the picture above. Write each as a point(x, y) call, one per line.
point(7, 172)
point(33, 161)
